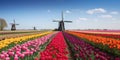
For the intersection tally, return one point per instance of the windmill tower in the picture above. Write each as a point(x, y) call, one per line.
point(61, 26)
point(13, 26)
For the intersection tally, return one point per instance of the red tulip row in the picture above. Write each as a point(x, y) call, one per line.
point(56, 50)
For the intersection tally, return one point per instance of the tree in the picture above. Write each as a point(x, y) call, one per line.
point(3, 24)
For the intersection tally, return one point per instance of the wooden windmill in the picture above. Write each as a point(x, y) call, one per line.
point(61, 26)
point(13, 26)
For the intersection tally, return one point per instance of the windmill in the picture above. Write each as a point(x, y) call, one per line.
point(13, 26)
point(34, 28)
point(61, 26)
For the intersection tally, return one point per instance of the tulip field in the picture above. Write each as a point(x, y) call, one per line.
point(60, 45)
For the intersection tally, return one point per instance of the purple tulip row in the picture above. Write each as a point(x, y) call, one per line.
point(83, 50)
point(23, 50)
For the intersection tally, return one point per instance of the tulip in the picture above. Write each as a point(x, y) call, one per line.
point(22, 55)
point(9, 50)
point(7, 58)
point(16, 58)
point(31, 53)
point(6, 55)
point(2, 56)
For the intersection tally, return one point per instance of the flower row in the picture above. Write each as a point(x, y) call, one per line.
point(7, 36)
point(85, 51)
point(56, 50)
point(103, 35)
point(109, 45)
point(6, 42)
point(112, 43)
point(19, 52)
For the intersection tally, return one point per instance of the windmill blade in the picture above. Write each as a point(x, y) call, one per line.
point(16, 24)
point(56, 21)
point(62, 16)
point(14, 21)
point(68, 21)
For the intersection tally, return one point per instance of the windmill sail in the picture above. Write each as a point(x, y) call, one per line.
point(68, 21)
point(62, 16)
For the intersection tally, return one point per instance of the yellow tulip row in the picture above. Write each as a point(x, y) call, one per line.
point(6, 42)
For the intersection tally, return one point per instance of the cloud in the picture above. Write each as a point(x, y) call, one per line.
point(106, 16)
point(67, 11)
point(96, 10)
point(114, 12)
point(82, 18)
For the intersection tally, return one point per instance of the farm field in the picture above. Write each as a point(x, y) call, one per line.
point(59, 29)
point(61, 45)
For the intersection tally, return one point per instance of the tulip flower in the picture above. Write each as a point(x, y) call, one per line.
point(7, 58)
point(2, 56)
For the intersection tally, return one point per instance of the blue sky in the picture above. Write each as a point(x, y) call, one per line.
point(85, 14)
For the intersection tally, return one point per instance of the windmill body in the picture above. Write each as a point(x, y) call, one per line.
point(61, 26)
point(34, 28)
point(13, 27)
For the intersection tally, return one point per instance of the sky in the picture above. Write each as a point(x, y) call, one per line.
point(84, 14)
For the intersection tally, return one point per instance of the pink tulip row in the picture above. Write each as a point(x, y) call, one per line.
point(23, 50)
point(56, 50)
